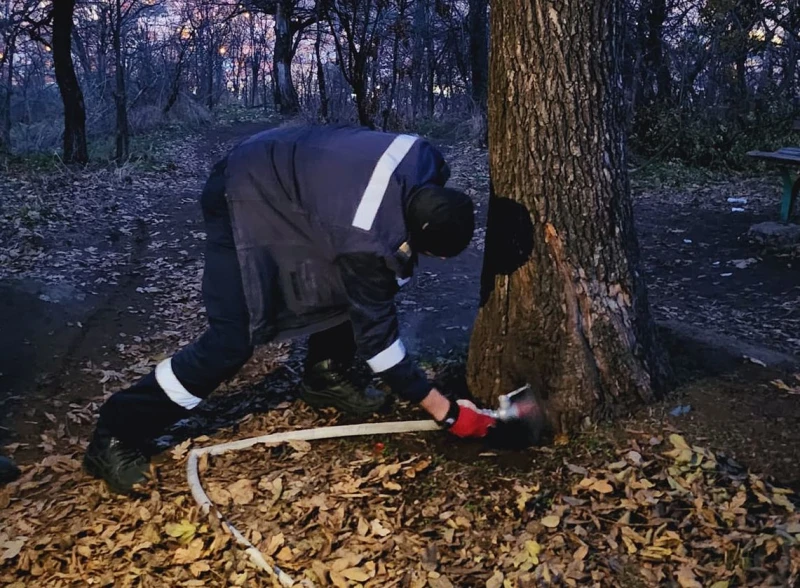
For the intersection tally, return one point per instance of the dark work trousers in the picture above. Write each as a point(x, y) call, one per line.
point(180, 383)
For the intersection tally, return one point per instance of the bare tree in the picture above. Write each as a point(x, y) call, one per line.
point(75, 145)
point(292, 18)
point(356, 30)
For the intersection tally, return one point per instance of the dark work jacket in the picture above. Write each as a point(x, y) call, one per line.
point(318, 216)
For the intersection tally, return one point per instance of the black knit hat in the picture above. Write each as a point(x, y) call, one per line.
point(440, 221)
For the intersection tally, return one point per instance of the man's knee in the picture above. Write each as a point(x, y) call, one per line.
point(216, 356)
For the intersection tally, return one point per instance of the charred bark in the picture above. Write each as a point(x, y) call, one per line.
point(563, 303)
point(75, 148)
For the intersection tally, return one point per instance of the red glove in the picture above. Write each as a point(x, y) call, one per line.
point(464, 419)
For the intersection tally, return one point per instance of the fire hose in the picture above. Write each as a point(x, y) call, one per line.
point(520, 406)
point(206, 506)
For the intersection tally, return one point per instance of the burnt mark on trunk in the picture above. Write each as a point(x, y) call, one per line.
point(509, 242)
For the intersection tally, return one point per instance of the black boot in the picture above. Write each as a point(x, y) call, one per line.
point(121, 465)
point(325, 384)
point(8, 471)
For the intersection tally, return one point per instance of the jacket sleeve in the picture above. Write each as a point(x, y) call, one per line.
point(371, 287)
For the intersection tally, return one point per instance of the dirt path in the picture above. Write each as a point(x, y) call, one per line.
point(111, 286)
point(100, 279)
point(85, 287)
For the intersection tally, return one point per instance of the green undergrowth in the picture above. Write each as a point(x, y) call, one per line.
point(673, 173)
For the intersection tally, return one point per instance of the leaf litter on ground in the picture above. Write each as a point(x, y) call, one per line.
point(339, 513)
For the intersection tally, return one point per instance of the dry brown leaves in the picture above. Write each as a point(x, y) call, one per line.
point(353, 513)
point(393, 512)
point(385, 513)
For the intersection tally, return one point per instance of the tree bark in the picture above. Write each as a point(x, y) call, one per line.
point(286, 99)
point(359, 84)
point(323, 90)
point(120, 93)
point(479, 60)
point(390, 112)
point(430, 73)
point(175, 84)
point(75, 147)
point(417, 58)
point(563, 302)
point(656, 60)
point(5, 131)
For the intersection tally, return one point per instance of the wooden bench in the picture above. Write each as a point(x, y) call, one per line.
point(788, 159)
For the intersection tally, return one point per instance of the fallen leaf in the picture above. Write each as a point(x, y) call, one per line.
point(189, 554)
point(275, 543)
point(687, 579)
point(602, 487)
point(198, 567)
point(379, 530)
point(218, 494)
point(184, 531)
point(356, 574)
point(338, 580)
point(678, 442)
point(300, 446)
point(781, 500)
point(529, 555)
point(180, 450)
point(577, 469)
point(439, 582)
point(781, 385)
point(348, 560)
point(496, 581)
point(12, 548)
point(430, 558)
point(634, 457)
point(242, 491)
point(551, 521)
point(363, 527)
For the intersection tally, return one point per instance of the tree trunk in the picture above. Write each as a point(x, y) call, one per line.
point(5, 131)
point(210, 75)
point(417, 57)
point(120, 99)
point(389, 113)
point(790, 55)
point(362, 99)
point(479, 59)
point(285, 94)
point(175, 85)
point(254, 67)
point(656, 58)
point(741, 77)
point(323, 90)
point(75, 148)
point(563, 302)
point(430, 74)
